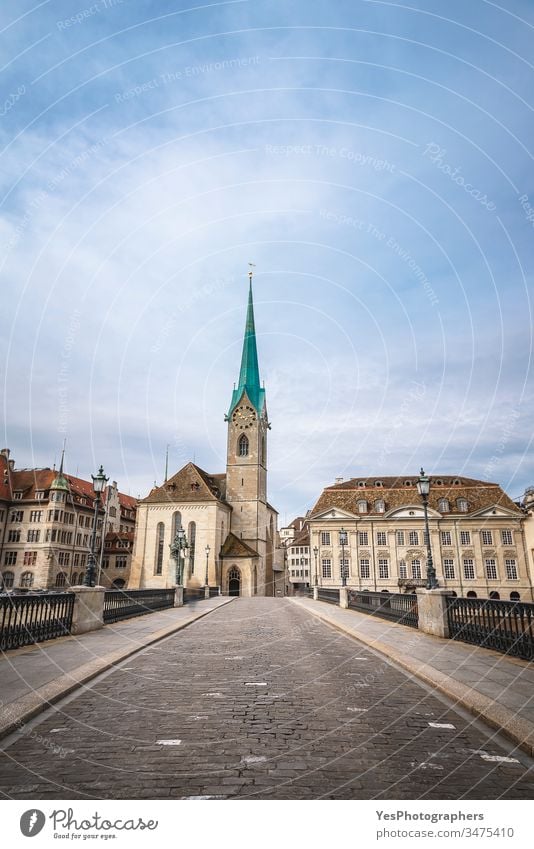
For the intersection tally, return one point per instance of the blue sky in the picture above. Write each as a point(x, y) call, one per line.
point(374, 159)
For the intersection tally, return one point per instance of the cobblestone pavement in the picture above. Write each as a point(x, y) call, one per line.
point(259, 700)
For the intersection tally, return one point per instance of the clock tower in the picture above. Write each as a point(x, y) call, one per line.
point(246, 468)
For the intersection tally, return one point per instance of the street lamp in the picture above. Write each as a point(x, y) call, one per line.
point(178, 545)
point(423, 488)
point(99, 484)
point(343, 542)
point(208, 549)
point(316, 555)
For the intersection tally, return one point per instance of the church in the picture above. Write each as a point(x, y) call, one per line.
point(228, 528)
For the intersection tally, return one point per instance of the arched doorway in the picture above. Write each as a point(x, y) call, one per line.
point(234, 581)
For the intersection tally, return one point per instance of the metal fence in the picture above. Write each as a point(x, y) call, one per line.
point(507, 626)
point(400, 607)
point(329, 595)
point(27, 619)
point(123, 604)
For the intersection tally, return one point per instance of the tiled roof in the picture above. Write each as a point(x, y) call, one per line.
point(302, 539)
point(190, 484)
point(395, 492)
point(235, 547)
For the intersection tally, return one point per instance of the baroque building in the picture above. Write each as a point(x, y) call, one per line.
point(230, 527)
point(376, 526)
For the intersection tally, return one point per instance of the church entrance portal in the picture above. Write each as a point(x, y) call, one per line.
point(234, 582)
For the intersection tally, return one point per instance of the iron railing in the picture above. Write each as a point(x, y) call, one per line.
point(123, 604)
point(28, 619)
point(506, 626)
point(329, 595)
point(194, 594)
point(400, 607)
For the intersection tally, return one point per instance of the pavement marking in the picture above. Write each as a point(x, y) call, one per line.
point(168, 742)
point(441, 725)
point(253, 759)
point(500, 759)
point(255, 683)
point(358, 710)
point(57, 730)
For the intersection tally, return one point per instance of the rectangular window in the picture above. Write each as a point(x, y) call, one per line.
point(446, 538)
point(383, 568)
point(487, 538)
point(491, 569)
point(469, 569)
point(400, 537)
point(17, 496)
point(77, 560)
point(13, 536)
point(511, 570)
point(10, 558)
point(343, 538)
point(39, 495)
point(381, 538)
point(413, 536)
point(327, 568)
point(36, 515)
point(16, 516)
point(365, 571)
point(120, 562)
point(33, 536)
point(51, 536)
point(344, 567)
point(64, 558)
point(465, 537)
point(507, 538)
point(363, 537)
point(403, 571)
point(416, 570)
point(448, 568)
point(30, 558)
point(325, 537)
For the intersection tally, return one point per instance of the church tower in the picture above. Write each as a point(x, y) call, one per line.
point(246, 468)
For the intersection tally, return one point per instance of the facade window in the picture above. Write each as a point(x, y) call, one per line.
point(17, 495)
point(177, 523)
point(16, 516)
point(192, 536)
point(469, 569)
point(383, 568)
point(380, 506)
point(446, 538)
point(491, 569)
point(344, 567)
point(74, 579)
point(381, 538)
point(325, 537)
point(416, 569)
point(448, 568)
point(400, 537)
point(63, 558)
point(61, 579)
point(160, 540)
point(9, 579)
point(443, 505)
point(507, 538)
point(26, 579)
point(487, 538)
point(105, 562)
point(343, 538)
point(120, 561)
point(327, 568)
point(30, 558)
point(362, 505)
point(365, 571)
point(403, 571)
point(413, 537)
point(243, 445)
point(465, 537)
point(113, 512)
point(511, 569)
point(39, 494)
point(55, 515)
point(363, 537)
point(69, 519)
point(10, 558)
point(33, 536)
point(514, 596)
point(13, 536)
point(462, 505)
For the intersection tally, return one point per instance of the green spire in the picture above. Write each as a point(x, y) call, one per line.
point(60, 482)
point(249, 375)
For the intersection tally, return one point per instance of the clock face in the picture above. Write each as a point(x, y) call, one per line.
point(244, 417)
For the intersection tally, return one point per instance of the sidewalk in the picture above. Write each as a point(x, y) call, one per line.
point(497, 688)
point(34, 677)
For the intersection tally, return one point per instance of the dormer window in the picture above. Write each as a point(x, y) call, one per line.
point(361, 484)
point(378, 484)
point(362, 505)
point(195, 487)
point(17, 495)
point(457, 482)
point(380, 506)
point(462, 504)
point(443, 505)
point(407, 483)
point(40, 494)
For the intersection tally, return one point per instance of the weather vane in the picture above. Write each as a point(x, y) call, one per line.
point(251, 266)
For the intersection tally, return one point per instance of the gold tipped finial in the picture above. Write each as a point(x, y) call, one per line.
point(251, 265)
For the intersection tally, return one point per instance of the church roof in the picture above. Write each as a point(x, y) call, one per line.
point(249, 375)
point(189, 484)
point(235, 547)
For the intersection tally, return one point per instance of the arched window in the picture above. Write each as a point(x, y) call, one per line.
point(362, 505)
point(471, 594)
point(176, 522)
point(26, 579)
point(514, 596)
point(191, 538)
point(462, 505)
point(380, 506)
point(160, 540)
point(9, 579)
point(74, 579)
point(119, 583)
point(61, 579)
point(242, 445)
point(263, 451)
point(443, 505)
point(494, 594)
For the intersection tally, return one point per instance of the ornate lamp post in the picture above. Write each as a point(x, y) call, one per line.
point(423, 488)
point(179, 545)
point(316, 555)
point(208, 549)
point(343, 542)
point(99, 484)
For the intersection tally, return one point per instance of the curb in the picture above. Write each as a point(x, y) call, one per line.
point(517, 729)
point(14, 715)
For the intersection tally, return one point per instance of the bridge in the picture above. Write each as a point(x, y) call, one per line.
point(234, 698)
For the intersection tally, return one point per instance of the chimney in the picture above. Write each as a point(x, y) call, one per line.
point(338, 480)
point(5, 452)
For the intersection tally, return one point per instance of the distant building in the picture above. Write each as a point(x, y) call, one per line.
point(46, 521)
point(479, 536)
